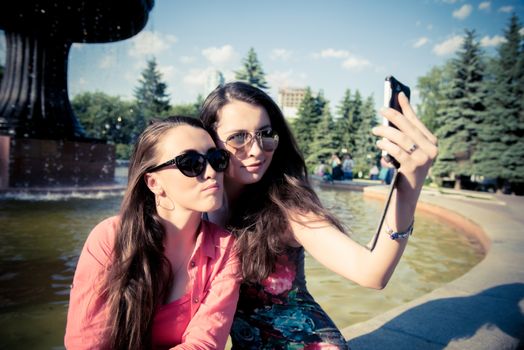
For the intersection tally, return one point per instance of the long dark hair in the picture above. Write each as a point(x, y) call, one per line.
point(140, 275)
point(258, 219)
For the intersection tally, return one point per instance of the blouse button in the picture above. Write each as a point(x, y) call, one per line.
point(193, 263)
point(195, 300)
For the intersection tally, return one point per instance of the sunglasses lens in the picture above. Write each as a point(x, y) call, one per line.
point(191, 164)
point(269, 140)
point(219, 159)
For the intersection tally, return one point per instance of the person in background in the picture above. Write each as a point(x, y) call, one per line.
point(276, 217)
point(336, 168)
point(322, 168)
point(373, 172)
point(387, 171)
point(347, 167)
point(157, 275)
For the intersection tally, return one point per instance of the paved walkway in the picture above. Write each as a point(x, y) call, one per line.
point(483, 309)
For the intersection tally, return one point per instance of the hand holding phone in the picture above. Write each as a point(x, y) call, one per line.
point(392, 87)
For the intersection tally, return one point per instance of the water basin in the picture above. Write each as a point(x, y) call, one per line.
point(40, 242)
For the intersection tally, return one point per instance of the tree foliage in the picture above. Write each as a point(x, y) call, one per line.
point(309, 115)
point(461, 111)
point(107, 118)
point(322, 144)
point(151, 96)
point(350, 118)
point(501, 146)
point(251, 71)
point(365, 152)
point(431, 89)
point(475, 105)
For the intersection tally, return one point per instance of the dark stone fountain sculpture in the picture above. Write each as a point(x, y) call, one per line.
point(42, 142)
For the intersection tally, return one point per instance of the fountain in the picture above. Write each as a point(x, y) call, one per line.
point(42, 143)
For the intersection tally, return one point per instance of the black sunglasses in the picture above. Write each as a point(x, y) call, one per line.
point(192, 163)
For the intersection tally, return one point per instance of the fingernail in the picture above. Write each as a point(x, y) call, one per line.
point(374, 129)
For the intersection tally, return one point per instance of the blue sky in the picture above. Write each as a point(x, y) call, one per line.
point(330, 45)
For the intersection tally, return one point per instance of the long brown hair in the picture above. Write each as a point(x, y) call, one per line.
point(259, 217)
point(140, 274)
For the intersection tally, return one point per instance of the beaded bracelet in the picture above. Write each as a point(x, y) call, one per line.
point(400, 235)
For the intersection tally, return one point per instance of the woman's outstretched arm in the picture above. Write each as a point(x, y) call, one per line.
point(415, 148)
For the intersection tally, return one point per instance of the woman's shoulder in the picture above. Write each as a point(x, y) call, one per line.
point(102, 236)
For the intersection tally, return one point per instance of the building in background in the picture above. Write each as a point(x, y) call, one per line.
point(289, 100)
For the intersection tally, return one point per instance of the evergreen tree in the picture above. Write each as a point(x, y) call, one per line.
point(501, 149)
point(152, 100)
point(309, 115)
point(252, 72)
point(463, 108)
point(350, 112)
point(431, 88)
point(365, 152)
point(323, 143)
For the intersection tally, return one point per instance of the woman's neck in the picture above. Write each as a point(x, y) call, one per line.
point(233, 190)
point(182, 226)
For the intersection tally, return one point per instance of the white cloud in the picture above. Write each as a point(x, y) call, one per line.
point(506, 9)
point(219, 55)
point(494, 41)
point(187, 59)
point(150, 43)
point(332, 53)
point(283, 79)
point(280, 54)
point(485, 6)
point(355, 64)
point(168, 72)
point(421, 42)
point(198, 77)
point(108, 61)
point(81, 82)
point(171, 38)
point(463, 12)
point(448, 46)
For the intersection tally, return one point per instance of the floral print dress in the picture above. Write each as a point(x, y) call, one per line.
point(279, 313)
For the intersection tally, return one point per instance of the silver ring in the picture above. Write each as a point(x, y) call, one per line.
point(413, 148)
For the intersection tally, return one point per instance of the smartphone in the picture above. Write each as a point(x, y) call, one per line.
point(392, 87)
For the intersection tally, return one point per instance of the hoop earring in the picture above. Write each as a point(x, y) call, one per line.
point(159, 204)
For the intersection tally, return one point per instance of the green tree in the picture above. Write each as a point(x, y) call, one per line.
point(187, 109)
point(107, 118)
point(462, 109)
point(501, 147)
point(365, 152)
point(151, 97)
point(309, 115)
point(251, 71)
point(323, 143)
point(431, 89)
point(350, 118)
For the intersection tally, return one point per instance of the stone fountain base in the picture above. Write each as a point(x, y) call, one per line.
point(35, 163)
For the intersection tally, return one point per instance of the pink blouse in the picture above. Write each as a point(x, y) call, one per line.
point(201, 319)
